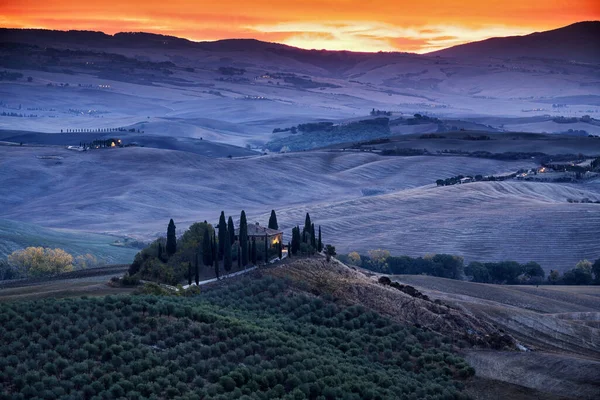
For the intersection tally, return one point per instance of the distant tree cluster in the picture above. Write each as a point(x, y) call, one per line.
point(452, 267)
point(231, 71)
point(219, 346)
point(305, 240)
point(375, 112)
point(204, 250)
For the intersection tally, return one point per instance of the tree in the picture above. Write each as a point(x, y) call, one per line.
point(222, 234)
point(207, 248)
point(171, 239)
point(289, 247)
point(253, 251)
point(478, 272)
point(231, 230)
point(239, 256)
point(280, 250)
point(216, 256)
point(189, 273)
point(533, 272)
point(596, 269)
point(40, 261)
point(306, 230)
point(313, 240)
point(273, 221)
point(296, 240)
point(197, 270)
point(266, 248)
point(320, 242)
point(243, 238)
point(554, 276)
point(227, 260)
point(329, 252)
point(354, 259)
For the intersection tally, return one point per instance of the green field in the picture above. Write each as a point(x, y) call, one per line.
point(18, 235)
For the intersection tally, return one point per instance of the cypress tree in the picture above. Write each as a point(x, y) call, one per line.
point(306, 230)
point(213, 250)
point(253, 251)
point(222, 234)
point(239, 256)
point(243, 237)
point(215, 257)
point(197, 271)
point(266, 248)
point(171, 239)
point(227, 260)
point(289, 250)
point(320, 242)
point(231, 230)
point(296, 240)
point(189, 273)
point(313, 240)
point(207, 248)
point(280, 250)
point(273, 221)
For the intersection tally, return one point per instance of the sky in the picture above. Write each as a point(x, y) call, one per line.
point(366, 25)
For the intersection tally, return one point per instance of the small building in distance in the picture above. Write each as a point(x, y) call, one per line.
point(258, 233)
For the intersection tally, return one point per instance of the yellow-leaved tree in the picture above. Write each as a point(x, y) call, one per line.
point(36, 261)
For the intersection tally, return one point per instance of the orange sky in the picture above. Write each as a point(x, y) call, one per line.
point(365, 25)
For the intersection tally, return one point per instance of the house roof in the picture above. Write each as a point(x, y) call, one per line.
point(257, 230)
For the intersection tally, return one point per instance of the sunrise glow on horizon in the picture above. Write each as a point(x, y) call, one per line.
point(378, 25)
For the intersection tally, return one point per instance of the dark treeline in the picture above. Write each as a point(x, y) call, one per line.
point(453, 267)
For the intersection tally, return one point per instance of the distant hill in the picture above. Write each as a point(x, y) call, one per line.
point(576, 42)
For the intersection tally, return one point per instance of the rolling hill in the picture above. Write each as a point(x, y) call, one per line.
point(577, 42)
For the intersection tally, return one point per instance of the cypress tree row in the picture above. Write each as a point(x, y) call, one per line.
point(171, 239)
point(320, 242)
point(222, 234)
point(231, 230)
point(227, 259)
point(239, 256)
point(313, 240)
point(243, 237)
point(273, 221)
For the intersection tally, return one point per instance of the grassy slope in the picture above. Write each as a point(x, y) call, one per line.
point(17, 235)
point(133, 191)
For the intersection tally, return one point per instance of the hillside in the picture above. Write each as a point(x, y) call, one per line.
point(17, 235)
point(256, 338)
point(347, 193)
point(577, 42)
point(238, 91)
point(559, 325)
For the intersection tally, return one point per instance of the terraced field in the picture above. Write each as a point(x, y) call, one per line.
point(362, 200)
